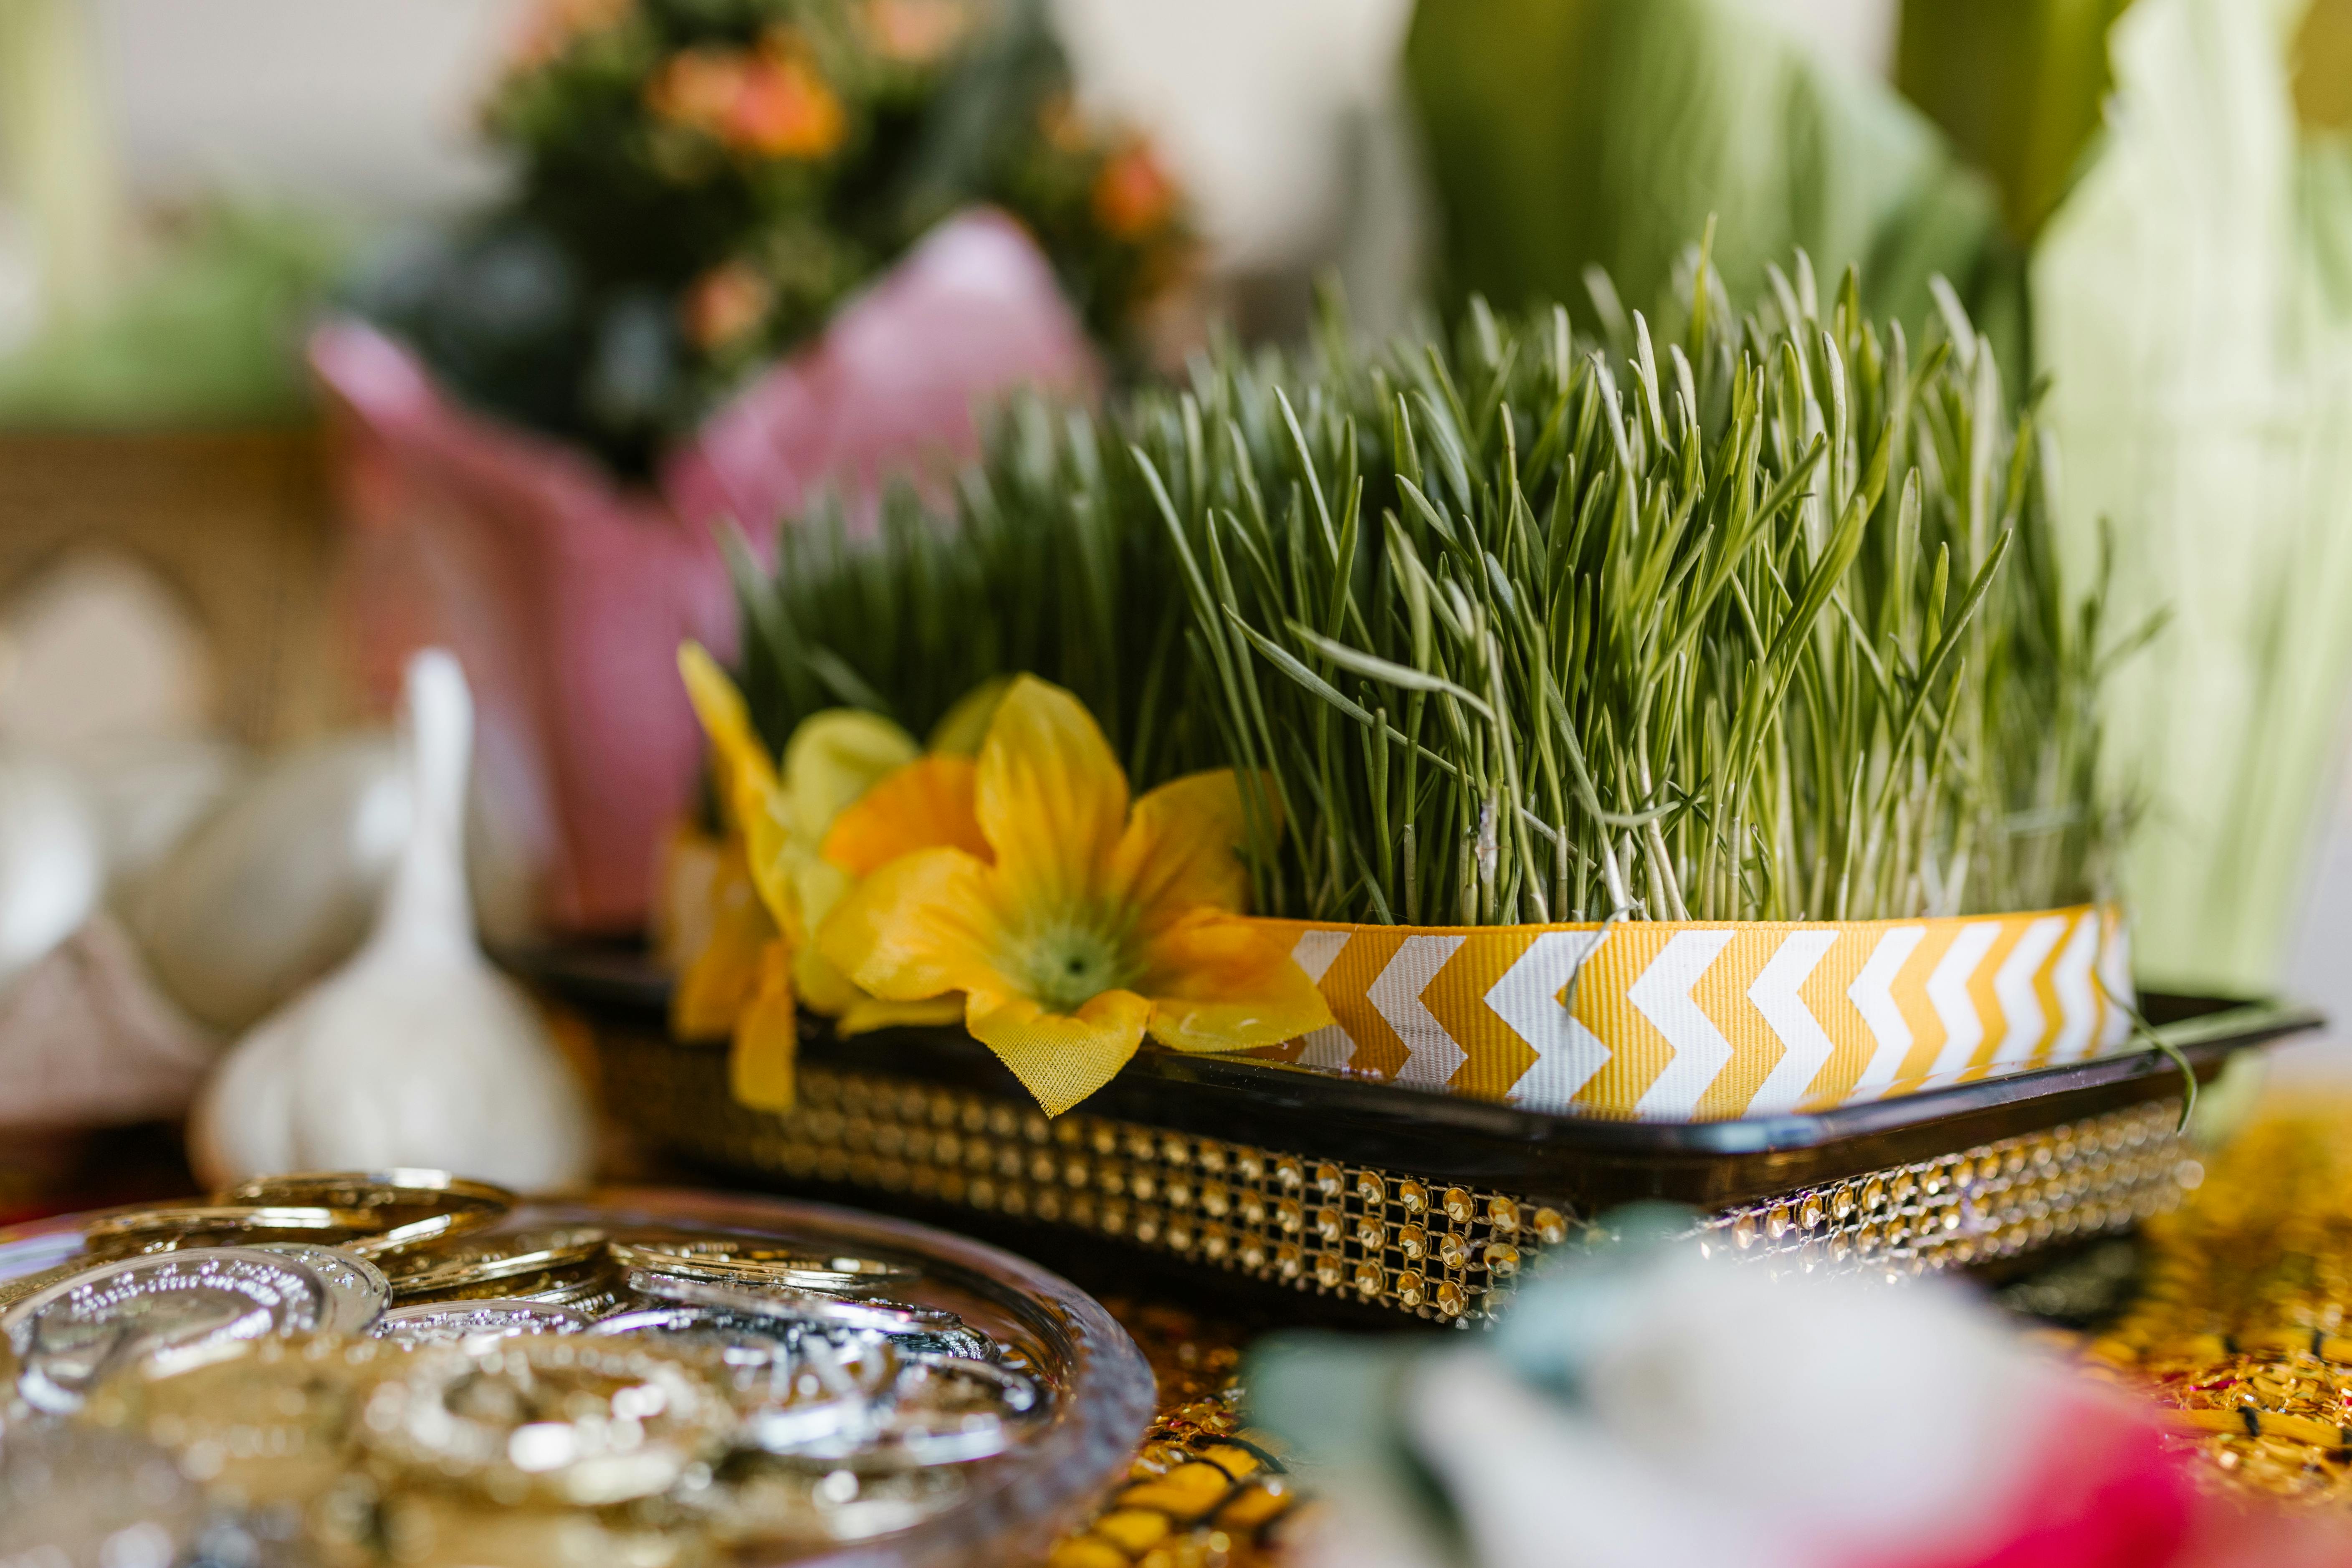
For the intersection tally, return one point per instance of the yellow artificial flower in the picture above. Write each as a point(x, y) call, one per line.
point(757, 963)
point(780, 821)
point(1071, 925)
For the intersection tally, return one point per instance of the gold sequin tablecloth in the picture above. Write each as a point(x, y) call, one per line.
point(1202, 1493)
point(2240, 1325)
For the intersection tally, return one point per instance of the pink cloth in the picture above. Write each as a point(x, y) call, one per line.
point(88, 1039)
point(2107, 1488)
point(566, 596)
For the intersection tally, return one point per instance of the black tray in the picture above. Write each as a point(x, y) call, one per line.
point(1965, 1174)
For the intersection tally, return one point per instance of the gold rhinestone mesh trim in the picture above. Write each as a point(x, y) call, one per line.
point(1365, 1233)
point(2083, 1178)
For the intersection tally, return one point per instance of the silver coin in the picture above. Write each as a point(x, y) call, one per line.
point(598, 1295)
point(942, 1410)
point(465, 1322)
point(830, 1406)
point(737, 1338)
point(559, 1418)
point(962, 1342)
point(360, 1289)
point(793, 1307)
point(173, 1308)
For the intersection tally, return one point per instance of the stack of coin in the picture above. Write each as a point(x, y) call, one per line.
point(400, 1359)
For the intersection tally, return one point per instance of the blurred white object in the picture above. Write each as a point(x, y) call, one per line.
point(278, 884)
point(417, 1052)
point(149, 792)
point(1721, 1406)
point(1647, 1401)
point(1249, 101)
point(96, 652)
point(52, 861)
point(364, 106)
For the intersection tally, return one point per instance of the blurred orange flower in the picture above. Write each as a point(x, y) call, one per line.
point(786, 107)
point(723, 304)
point(774, 103)
point(1133, 196)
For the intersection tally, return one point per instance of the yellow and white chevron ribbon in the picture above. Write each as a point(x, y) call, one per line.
point(1679, 1021)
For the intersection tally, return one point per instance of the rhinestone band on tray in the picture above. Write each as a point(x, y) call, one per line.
point(1431, 1248)
point(2083, 1178)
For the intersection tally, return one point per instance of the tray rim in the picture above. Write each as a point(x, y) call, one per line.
point(630, 982)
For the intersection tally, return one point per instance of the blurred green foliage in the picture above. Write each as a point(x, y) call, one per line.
point(210, 334)
point(1569, 135)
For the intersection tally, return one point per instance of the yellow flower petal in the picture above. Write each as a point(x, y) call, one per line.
point(747, 779)
point(1181, 850)
point(817, 886)
point(820, 985)
point(1221, 984)
point(1052, 800)
point(866, 1014)
point(724, 975)
point(833, 758)
point(1060, 1058)
point(963, 727)
point(767, 1037)
point(925, 804)
point(923, 924)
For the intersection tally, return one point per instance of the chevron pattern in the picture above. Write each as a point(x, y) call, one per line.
point(1676, 1022)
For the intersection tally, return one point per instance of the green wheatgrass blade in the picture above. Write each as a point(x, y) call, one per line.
point(1762, 620)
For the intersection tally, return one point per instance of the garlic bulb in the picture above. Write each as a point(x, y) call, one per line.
point(278, 884)
point(416, 1052)
point(52, 861)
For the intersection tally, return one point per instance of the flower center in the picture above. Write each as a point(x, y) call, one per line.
point(1066, 961)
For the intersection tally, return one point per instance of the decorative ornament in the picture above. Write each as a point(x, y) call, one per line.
point(1072, 925)
point(757, 961)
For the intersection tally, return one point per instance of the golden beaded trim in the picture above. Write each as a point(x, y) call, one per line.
point(2082, 1179)
point(1361, 1232)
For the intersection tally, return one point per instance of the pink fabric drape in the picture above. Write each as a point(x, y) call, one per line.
point(566, 596)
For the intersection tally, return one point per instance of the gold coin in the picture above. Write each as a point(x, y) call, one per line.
point(480, 1260)
point(173, 1227)
point(734, 1260)
point(413, 1204)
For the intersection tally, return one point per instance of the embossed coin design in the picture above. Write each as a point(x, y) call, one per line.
point(456, 1322)
point(358, 1288)
point(792, 1306)
point(170, 1309)
point(560, 1417)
